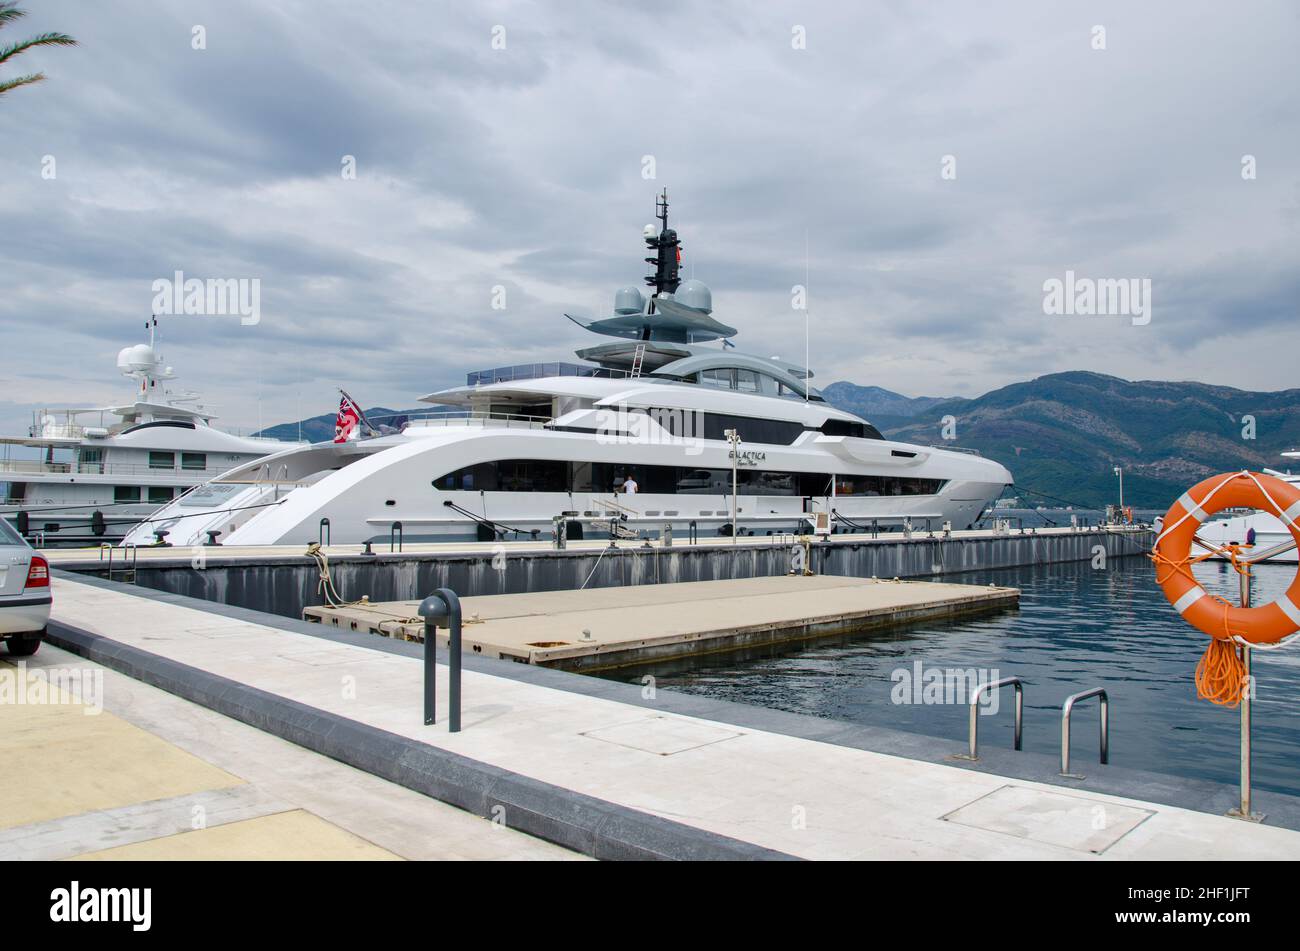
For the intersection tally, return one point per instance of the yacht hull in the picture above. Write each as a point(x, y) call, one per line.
point(361, 492)
point(1269, 531)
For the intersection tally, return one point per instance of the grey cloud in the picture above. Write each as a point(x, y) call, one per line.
point(522, 168)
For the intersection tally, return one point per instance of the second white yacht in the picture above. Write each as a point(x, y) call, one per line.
point(1265, 529)
point(97, 471)
point(650, 432)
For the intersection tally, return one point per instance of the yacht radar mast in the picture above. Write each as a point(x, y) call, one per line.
point(667, 253)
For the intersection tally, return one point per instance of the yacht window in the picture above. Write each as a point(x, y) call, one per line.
point(158, 494)
point(508, 475)
point(692, 424)
point(723, 379)
point(747, 381)
point(843, 427)
point(194, 460)
point(535, 475)
point(772, 432)
point(173, 423)
point(126, 493)
point(580, 476)
point(886, 485)
point(90, 460)
point(162, 460)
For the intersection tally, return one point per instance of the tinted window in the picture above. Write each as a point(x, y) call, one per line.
point(173, 423)
point(541, 475)
point(509, 475)
point(126, 493)
point(722, 379)
point(160, 493)
point(162, 460)
point(886, 485)
point(772, 432)
point(692, 424)
point(194, 460)
point(8, 536)
point(843, 427)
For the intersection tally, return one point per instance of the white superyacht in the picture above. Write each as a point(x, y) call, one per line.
point(98, 471)
point(656, 408)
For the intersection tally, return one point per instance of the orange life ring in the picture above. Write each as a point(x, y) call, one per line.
point(1267, 624)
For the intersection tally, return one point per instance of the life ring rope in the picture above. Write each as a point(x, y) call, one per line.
point(1221, 674)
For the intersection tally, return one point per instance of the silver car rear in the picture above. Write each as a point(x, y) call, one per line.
point(24, 593)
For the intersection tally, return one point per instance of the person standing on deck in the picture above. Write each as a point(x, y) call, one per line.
point(629, 485)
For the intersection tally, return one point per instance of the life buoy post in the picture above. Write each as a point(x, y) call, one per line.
point(1223, 675)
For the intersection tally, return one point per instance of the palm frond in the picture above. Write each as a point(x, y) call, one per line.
point(10, 12)
point(43, 39)
point(8, 84)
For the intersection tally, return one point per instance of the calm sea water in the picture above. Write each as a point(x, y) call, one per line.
point(1076, 628)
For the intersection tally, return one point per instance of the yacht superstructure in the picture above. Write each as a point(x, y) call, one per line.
point(98, 471)
point(660, 407)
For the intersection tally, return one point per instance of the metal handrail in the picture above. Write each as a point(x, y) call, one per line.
point(974, 711)
point(537, 371)
point(130, 550)
point(608, 504)
point(395, 535)
point(34, 467)
point(468, 418)
point(1281, 548)
point(1067, 709)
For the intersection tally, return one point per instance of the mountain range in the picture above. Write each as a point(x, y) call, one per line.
point(1061, 435)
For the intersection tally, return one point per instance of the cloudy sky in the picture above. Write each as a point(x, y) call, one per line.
point(525, 167)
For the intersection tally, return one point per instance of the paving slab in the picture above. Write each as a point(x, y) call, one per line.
point(294, 836)
point(126, 770)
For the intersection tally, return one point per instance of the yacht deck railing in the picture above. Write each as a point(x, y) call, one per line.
point(536, 371)
point(475, 418)
point(34, 467)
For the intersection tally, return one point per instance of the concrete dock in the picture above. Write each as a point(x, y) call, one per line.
point(601, 628)
point(284, 580)
point(613, 771)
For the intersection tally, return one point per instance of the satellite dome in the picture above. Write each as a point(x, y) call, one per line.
point(695, 294)
point(628, 300)
point(137, 359)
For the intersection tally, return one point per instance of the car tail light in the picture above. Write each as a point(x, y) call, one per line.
point(38, 573)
